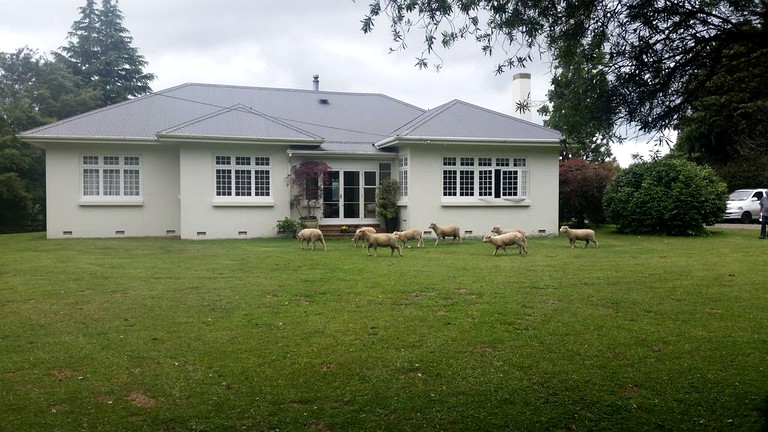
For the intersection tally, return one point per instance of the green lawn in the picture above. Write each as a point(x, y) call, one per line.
point(642, 334)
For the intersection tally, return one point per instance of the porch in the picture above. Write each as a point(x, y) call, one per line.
point(345, 230)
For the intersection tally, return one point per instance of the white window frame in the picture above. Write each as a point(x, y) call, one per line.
point(111, 179)
point(236, 180)
point(403, 176)
point(483, 179)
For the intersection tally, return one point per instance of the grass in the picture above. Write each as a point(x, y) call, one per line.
point(644, 333)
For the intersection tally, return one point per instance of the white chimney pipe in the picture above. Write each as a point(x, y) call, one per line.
point(521, 91)
point(316, 82)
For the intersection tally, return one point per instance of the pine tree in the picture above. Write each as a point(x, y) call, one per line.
point(100, 51)
point(121, 67)
point(83, 49)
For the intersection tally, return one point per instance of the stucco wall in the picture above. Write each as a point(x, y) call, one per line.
point(204, 218)
point(70, 216)
point(536, 215)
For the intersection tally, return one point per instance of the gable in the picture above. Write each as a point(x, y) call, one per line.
point(239, 122)
point(462, 121)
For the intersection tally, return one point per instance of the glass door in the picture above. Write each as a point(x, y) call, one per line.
point(332, 196)
point(349, 196)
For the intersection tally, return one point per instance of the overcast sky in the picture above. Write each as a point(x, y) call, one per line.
point(283, 43)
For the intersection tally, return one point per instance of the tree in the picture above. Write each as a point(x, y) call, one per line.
point(83, 50)
point(100, 51)
point(659, 54)
point(728, 121)
point(582, 185)
point(671, 196)
point(306, 181)
point(583, 109)
point(33, 91)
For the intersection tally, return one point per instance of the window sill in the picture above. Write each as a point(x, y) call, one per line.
point(240, 203)
point(111, 202)
point(480, 202)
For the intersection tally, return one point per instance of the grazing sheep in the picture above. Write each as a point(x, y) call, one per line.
point(579, 234)
point(503, 240)
point(443, 231)
point(311, 235)
point(499, 230)
point(374, 240)
point(412, 234)
point(359, 234)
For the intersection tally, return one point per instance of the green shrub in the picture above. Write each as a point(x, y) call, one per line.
point(670, 196)
point(386, 203)
point(288, 226)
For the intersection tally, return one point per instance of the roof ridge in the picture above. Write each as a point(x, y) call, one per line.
point(297, 90)
point(423, 118)
point(239, 107)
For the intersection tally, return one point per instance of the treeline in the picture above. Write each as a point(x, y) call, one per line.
point(98, 67)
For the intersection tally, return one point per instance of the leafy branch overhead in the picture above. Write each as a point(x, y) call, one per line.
point(652, 60)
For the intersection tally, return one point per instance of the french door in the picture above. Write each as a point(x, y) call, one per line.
point(349, 196)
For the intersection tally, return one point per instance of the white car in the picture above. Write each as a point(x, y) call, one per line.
point(744, 205)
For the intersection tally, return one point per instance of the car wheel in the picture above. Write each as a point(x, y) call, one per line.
point(746, 217)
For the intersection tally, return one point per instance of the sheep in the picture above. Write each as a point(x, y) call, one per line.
point(503, 240)
point(381, 239)
point(311, 235)
point(443, 231)
point(359, 234)
point(499, 230)
point(412, 234)
point(579, 234)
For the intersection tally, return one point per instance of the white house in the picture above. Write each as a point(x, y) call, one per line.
point(211, 161)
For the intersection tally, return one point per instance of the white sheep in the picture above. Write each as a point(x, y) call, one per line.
point(579, 234)
point(411, 234)
point(359, 234)
point(374, 240)
point(443, 231)
point(311, 235)
point(503, 240)
point(499, 230)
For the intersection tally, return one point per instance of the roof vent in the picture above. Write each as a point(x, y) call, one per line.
point(316, 82)
point(324, 102)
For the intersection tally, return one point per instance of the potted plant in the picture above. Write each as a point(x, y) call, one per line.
point(306, 181)
point(288, 226)
point(386, 203)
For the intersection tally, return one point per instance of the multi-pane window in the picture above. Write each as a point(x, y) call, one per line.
point(467, 177)
point(403, 179)
point(385, 171)
point(485, 177)
point(111, 176)
point(450, 177)
point(242, 176)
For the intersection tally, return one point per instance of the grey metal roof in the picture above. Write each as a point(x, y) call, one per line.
point(458, 119)
point(250, 124)
point(337, 121)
